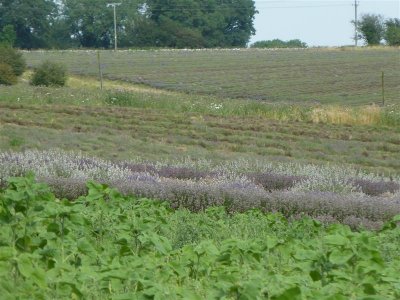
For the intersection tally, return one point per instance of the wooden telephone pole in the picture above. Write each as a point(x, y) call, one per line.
point(356, 4)
point(114, 5)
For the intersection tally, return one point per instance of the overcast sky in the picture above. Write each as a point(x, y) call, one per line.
point(316, 22)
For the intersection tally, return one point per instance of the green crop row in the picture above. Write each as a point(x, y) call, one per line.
point(108, 246)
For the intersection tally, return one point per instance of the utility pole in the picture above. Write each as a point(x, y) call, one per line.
point(114, 5)
point(356, 4)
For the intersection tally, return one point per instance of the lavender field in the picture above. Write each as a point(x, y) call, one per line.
point(327, 193)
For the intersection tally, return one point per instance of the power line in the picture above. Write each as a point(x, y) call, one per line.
point(305, 6)
point(227, 6)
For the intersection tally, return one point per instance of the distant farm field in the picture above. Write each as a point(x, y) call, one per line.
point(326, 76)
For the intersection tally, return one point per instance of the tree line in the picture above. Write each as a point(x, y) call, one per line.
point(32, 24)
point(63, 24)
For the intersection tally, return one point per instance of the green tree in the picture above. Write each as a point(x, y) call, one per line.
point(31, 20)
point(392, 33)
point(372, 29)
point(91, 22)
point(196, 23)
point(60, 36)
point(8, 35)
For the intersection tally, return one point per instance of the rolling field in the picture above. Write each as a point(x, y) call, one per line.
point(327, 76)
point(158, 125)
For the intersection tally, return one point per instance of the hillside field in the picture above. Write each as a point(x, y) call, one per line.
point(327, 76)
point(122, 123)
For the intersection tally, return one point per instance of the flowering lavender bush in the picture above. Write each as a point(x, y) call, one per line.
point(325, 192)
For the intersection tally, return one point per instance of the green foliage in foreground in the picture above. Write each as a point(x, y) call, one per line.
point(106, 246)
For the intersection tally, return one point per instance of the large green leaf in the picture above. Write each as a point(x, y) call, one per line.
point(289, 294)
point(336, 240)
point(340, 256)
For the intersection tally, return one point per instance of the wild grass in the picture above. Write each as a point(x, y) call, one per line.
point(84, 91)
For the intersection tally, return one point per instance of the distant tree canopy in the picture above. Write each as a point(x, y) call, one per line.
point(140, 23)
point(279, 44)
point(31, 19)
point(8, 35)
point(372, 29)
point(196, 23)
point(392, 34)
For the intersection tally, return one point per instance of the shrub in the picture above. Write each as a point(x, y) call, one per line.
point(49, 74)
point(11, 57)
point(277, 43)
point(270, 181)
point(7, 75)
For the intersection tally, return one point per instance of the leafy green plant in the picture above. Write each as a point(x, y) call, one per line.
point(105, 245)
point(49, 74)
